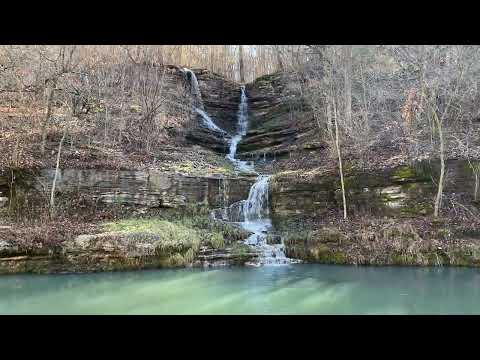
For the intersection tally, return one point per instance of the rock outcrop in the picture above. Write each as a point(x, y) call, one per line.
point(277, 118)
point(149, 188)
point(220, 99)
point(406, 191)
point(116, 251)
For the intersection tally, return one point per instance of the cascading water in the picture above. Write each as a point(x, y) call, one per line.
point(208, 122)
point(255, 211)
point(242, 116)
point(199, 107)
point(194, 87)
point(252, 214)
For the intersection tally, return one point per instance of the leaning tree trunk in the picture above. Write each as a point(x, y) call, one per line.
point(475, 194)
point(340, 166)
point(438, 199)
point(52, 193)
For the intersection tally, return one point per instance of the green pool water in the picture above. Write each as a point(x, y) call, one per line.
point(292, 289)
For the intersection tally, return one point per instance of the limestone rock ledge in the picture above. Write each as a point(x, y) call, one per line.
point(116, 251)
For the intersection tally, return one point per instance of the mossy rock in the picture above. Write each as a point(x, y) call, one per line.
point(403, 173)
point(323, 254)
point(416, 209)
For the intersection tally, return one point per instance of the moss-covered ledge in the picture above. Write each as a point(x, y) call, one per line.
point(384, 242)
point(133, 244)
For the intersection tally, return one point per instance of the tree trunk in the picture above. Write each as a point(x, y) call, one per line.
point(225, 60)
point(52, 193)
point(241, 63)
point(347, 55)
point(475, 194)
point(278, 54)
point(438, 199)
point(340, 166)
point(476, 174)
point(212, 58)
point(46, 120)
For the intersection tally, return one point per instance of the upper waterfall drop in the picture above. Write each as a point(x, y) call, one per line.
point(194, 87)
point(242, 125)
point(199, 107)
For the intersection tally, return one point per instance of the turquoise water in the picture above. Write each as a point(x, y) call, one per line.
point(292, 289)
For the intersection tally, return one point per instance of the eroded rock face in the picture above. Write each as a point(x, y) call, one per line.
point(148, 188)
point(208, 139)
point(277, 118)
point(402, 191)
point(235, 254)
point(220, 99)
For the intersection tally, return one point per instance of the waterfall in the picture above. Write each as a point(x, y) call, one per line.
point(194, 87)
point(208, 122)
point(199, 107)
point(253, 214)
point(242, 116)
point(256, 206)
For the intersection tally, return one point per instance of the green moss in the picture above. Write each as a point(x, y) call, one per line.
point(324, 254)
point(241, 250)
point(180, 233)
point(214, 239)
point(403, 173)
point(416, 209)
point(189, 167)
point(169, 236)
point(472, 233)
point(135, 108)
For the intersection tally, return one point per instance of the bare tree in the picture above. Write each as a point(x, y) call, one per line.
point(347, 71)
point(241, 62)
point(278, 54)
point(322, 94)
point(151, 84)
point(61, 62)
point(441, 95)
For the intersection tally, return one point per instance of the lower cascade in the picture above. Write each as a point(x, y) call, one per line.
point(255, 211)
point(253, 214)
